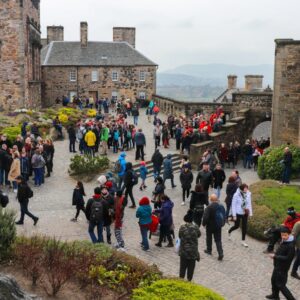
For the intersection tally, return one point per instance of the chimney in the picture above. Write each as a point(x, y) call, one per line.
point(253, 82)
point(232, 80)
point(84, 34)
point(55, 33)
point(124, 34)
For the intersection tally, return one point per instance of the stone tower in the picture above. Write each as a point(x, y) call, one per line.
point(286, 100)
point(124, 34)
point(55, 33)
point(20, 44)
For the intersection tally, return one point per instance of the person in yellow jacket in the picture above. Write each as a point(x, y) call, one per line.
point(90, 139)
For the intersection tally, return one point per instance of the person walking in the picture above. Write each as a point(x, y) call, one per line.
point(108, 201)
point(121, 168)
point(90, 139)
point(157, 160)
point(199, 199)
point(188, 250)
point(15, 170)
point(157, 135)
point(140, 142)
point(129, 182)
point(72, 138)
point(282, 259)
point(135, 113)
point(241, 209)
point(218, 179)
point(143, 174)
point(296, 265)
point(168, 170)
point(119, 207)
point(214, 219)
point(287, 165)
point(231, 188)
point(104, 139)
point(165, 221)
point(186, 178)
point(205, 177)
point(78, 200)
point(23, 196)
point(144, 213)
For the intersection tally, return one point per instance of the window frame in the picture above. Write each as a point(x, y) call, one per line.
point(73, 76)
point(112, 75)
point(142, 78)
point(144, 95)
point(97, 75)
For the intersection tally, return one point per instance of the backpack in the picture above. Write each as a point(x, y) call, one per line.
point(117, 166)
point(96, 212)
point(30, 193)
point(135, 178)
point(154, 224)
point(3, 199)
point(220, 216)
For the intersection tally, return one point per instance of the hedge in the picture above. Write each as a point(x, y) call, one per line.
point(269, 166)
point(173, 289)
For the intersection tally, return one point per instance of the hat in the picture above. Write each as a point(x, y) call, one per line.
point(284, 229)
point(144, 201)
point(188, 217)
point(142, 163)
point(108, 184)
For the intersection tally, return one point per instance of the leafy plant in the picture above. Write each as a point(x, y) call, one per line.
point(7, 232)
point(63, 118)
point(12, 132)
point(170, 289)
point(91, 113)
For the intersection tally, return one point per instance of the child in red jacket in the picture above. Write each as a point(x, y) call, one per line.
point(119, 206)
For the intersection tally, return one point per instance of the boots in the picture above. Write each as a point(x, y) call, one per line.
point(294, 274)
point(109, 239)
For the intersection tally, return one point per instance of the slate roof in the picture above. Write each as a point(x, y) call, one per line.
point(95, 54)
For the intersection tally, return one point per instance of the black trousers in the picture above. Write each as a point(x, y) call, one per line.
point(197, 216)
point(279, 280)
point(157, 141)
point(72, 145)
point(128, 191)
point(178, 142)
point(187, 266)
point(25, 211)
point(236, 225)
point(78, 209)
point(275, 237)
point(217, 233)
point(185, 193)
point(139, 152)
point(164, 231)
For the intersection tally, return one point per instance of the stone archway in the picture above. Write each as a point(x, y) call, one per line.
point(263, 129)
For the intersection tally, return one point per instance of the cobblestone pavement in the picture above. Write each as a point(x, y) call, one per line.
point(243, 275)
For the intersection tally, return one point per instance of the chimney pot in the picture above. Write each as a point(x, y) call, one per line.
point(124, 34)
point(232, 82)
point(55, 33)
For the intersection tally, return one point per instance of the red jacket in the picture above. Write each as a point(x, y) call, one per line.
point(119, 211)
point(289, 222)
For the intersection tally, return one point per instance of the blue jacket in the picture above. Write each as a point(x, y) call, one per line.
point(144, 213)
point(165, 213)
point(123, 164)
point(140, 139)
point(143, 172)
point(116, 135)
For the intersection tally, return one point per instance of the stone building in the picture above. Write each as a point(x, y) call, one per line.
point(95, 69)
point(286, 101)
point(20, 45)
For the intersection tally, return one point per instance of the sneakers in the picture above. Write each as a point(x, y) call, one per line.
point(73, 220)
point(121, 249)
point(132, 206)
point(158, 245)
point(35, 221)
point(15, 191)
point(207, 252)
point(244, 244)
point(182, 203)
point(272, 297)
point(19, 223)
point(220, 258)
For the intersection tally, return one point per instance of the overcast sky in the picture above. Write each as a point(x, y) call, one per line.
point(177, 32)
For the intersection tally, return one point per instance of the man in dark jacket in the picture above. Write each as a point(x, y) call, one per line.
point(72, 138)
point(205, 177)
point(282, 261)
point(24, 193)
point(95, 211)
point(140, 142)
point(157, 160)
point(212, 228)
point(129, 183)
point(287, 165)
point(5, 163)
point(168, 170)
point(218, 178)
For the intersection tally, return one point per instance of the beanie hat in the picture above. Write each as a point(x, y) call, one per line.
point(142, 163)
point(284, 229)
point(144, 201)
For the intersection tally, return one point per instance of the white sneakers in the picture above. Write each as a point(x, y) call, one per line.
point(15, 191)
point(182, 203)
point(244, 244)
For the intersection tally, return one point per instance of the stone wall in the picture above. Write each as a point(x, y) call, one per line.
point(124, 34)
point(57, 82)
point(286, 104)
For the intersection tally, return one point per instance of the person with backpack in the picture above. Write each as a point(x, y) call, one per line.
point(186, 179)
point(120, 168)
point(115, 140)
point(95, 211)
point(78, 200)
point(214, 219)
point(130, 180)
point(143, 174)
point(119, 207)
point(15, 170)
point(231, 188)
point(23, 196)
point(241, 209)
point(158, 192)
point(144, 213)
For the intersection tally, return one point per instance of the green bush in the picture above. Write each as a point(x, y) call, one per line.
point(171, 289)
point(7, 232)
point(12, 132)
point(87, 164)
point(270, 201)
point(269, 166)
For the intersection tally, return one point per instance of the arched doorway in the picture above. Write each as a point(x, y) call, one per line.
point(262, 130)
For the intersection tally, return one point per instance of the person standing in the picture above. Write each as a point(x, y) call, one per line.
point(218, 178)
point(140, 142)
point(78, 199)
point(90, 139)
point(144, 213)
point(38, 163)
point(241, 209)
point(23, 196)
point(214, 220)
point(104, 139)
point(157, 135)
point(129, 182)
point(223, 155)
point(178, 136)
point(72, 138)
point(205, 177)
point(287, 165)
point(119, 207)
point(121, 166)
point(135, 113)
point(168, 170)
point(15, 170)
point(296, 265)
point(199, 198)
point(186, 179)
point(282, 261)
point(143, 175)
point(188, 250)
point(157, 160)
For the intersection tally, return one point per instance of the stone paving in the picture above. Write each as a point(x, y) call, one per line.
point(243, 275)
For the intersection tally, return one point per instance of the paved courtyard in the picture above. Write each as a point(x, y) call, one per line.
point(243, 275)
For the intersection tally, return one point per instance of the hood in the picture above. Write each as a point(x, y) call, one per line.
point(168, 204)
point(144, 201)
point(128, 166)
point(123, 154)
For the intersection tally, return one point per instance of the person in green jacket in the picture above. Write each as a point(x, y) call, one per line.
point(104, 138)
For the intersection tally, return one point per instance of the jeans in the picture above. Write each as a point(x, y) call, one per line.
point(119, 237)
point(99, 231)
point(172, 181)
point(297, 261)
point(38, 176)
point(25, 211)
point(286, 174)
point(178, 142)
point(144, 233)
point(218, 191)
point(248, 161)
point(236, 225)
point(279, 280)
point(217, 237)
point(81, 146)
point(157, 141)
point(187, 266)
point(15, 185)
point(3, 177)
point(139, 152)
point(135, 120)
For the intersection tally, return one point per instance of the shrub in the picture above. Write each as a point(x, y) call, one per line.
point(170, 289)
point(91, 113)
point(63, 118)
point(12, 132)
point(269, 166)
point(270, 201)
point(7, 232)
point(87, 164)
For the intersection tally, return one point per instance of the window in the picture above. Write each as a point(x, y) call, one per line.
point(142, 95)
point(114, 76)
point(73, 75)
point(95, 76)
point(114, 96)
point(142, 75)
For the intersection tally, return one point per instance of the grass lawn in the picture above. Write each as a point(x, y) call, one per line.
point(270, 201)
